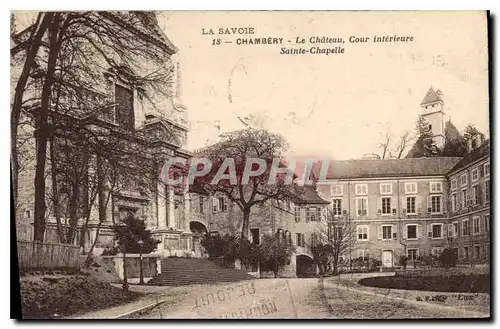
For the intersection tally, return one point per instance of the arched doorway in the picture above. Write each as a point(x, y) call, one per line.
point(199, 231)
point(305, 266)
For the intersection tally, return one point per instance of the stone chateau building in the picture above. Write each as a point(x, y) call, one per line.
point(412, 207)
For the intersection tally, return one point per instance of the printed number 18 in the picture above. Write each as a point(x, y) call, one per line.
point(215, 42)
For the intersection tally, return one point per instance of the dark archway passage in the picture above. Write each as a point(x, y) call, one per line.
point(198, 228)
point(199, 231)
point(305, 266)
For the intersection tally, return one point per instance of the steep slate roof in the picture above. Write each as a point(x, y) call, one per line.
point(476, 154)
point(451, 133)
point(415, 149)
point(432, 97)
point(310, 196)
point(368, 168)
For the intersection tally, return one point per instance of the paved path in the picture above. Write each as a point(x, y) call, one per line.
point(338, 297)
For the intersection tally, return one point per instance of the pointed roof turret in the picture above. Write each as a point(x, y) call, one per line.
point(432, 96)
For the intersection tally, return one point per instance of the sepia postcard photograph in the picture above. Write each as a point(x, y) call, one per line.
point(250, 164)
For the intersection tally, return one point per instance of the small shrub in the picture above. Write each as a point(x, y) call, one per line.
point(110, 251)
point(448, 258)
point(375, 264)
point(403, 261)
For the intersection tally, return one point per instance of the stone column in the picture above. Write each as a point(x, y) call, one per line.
point(187, 204)
point(94, 211)
point(170, 207)
point(161, 205)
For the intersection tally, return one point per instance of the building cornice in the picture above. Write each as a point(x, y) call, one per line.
point(382, 180)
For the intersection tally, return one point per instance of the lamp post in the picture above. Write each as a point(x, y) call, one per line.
point(125, 281)
point(141, 274)
point(124, 250)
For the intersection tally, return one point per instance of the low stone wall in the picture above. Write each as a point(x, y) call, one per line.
point(34, 255)
point(151, 266)
point(441, 271)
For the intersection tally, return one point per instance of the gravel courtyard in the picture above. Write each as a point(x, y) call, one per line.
point(290, 298)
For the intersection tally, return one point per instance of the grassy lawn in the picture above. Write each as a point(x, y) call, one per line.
point(474, 283)
point(45, 297)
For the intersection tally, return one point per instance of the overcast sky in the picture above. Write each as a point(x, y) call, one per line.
point(337, 105)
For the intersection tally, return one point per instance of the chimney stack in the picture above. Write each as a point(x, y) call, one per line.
point(479, 140)
point(469, 145)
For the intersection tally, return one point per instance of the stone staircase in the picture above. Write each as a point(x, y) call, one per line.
point(186, 271)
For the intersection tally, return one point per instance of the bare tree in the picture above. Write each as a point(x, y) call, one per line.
point(31, 48)
point(390, 151)
point(404, 141)
point(241, 145)
point(335, 238)
point(80, 46)
point(384, 147)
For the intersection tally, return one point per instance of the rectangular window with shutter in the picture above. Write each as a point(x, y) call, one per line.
point(337, 190)
point(487, 191)
point(465, 199)
point(202, 204)
point(386, 206)
point(465, 227)
point(475, 225)
point(435, 204)
point(385, 188)
point(454, 231)
point(475, 174)
point(387, 232)
point(411, 232)
point(222, 204)
point(337, 207)
point(411, 205)
point(297, 214)
point(412, 253)
point(453, 202)
point(486, 223)
point(411, 188)
point(362, 206)
point(361, 189)
point(450, 230)
point(463, 180)
point(362, 231)
point(215, 205)
point(454, 184)
point(486, 170)
point(437, 231)
point(473, 195)
point(436, 187)
point(311, 214)
point(299, 237)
